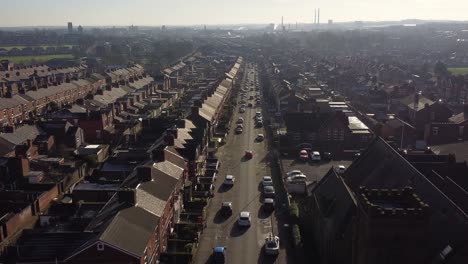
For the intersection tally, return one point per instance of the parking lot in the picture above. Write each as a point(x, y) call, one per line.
point(313, 170)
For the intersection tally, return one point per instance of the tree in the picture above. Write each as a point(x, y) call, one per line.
point(440, 70)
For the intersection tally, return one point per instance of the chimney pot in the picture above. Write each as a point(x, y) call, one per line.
point(127, 195)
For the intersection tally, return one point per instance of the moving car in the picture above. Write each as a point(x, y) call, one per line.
point(226, 208)
point(315, 156)
point(269, 204)
point(219, 255)
point(267, 181)
point(303, 155)
point(260, 137)
point(268, 191)
point(272, 245)
point(244, 219)
point(229, 180)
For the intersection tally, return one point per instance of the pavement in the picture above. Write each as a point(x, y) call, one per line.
point(244, 245)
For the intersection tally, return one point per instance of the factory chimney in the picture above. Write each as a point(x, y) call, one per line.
point(318, 16)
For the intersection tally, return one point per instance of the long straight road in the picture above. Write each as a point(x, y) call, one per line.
point(244, 245)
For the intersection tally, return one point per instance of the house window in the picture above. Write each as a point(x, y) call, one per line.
point(100, 247)
point(435, 131)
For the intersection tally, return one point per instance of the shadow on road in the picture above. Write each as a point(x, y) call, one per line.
point(263, 214)
point(237, 231)
point(265, 259)
point(209, 260)
point(224, 188)
point(220, 218)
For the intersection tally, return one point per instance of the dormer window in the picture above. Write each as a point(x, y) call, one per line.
point(100, 246)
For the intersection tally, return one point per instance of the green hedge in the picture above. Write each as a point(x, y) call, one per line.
point(294, 212)
point(296, 236)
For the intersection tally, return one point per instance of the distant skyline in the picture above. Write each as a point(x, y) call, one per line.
point(211, 12)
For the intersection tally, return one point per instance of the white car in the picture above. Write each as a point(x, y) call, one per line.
point(267, 181)
point(341, 169)
point(293, 172)
point(260, 137)
point(297, 178)
point(229, 180)
point(315, 156)
point(272, 245)
point(244, 219)
point(242, 110)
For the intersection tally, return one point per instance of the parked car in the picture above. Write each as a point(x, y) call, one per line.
point(303, 155)
point(326, 156)
point(219, 255)
point(244, 219)
point(269, 204)
point(239, 130)
point(248, 154)
point(259, 123)
point(296, 178)
point(272, 245)
point(267, 181)
point(250, 104)
point(260, 137)
point(226, 208)
point(240, 120)
point(293, 172)
point(340, 169)
point(315, 156)
point(242, 110)
point(268, 191)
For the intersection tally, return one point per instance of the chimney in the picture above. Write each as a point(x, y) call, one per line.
point(9, 129)
point(416, 100)
point(169, 139)
point(144, 173)
point(180, 123)
point(318, 16)
point(158, 154)
point(7, 75)
point(198, 103)
point(108, 87)
point(17, 73)
point(195, 110)
point(127, 196)
point(173, 131)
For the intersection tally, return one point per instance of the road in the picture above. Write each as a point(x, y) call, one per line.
point(244, 245)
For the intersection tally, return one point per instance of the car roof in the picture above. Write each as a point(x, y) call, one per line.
point(268, 200)
point(295, 171)
point(267, 177)
point(219, 249)
point(229, 176)
point(269, 188)
point(226, 203)
point(244, 214)
point(316, 153)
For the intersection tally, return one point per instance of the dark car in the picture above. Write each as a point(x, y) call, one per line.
point(326, 156)
point(269, 192)
point(219, 255)
point(226, 208)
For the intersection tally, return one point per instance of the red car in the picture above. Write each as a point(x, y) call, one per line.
point(303, 155)
point(248, 154)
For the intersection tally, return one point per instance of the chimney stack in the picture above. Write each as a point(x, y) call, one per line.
point(315, 16)
point(127, 196)
point(144, 173)
point(318, 17)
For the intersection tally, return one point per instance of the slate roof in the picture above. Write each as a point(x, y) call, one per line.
point(130, 230)
point(335, 202)
point(305, 121)
point(147, 197)
point(9, 140)
point(459, 118)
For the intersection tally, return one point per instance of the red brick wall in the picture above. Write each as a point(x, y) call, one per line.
point(47, 197)
point(107, 256)
point(19, 221)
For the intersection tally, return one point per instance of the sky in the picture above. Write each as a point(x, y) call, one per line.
point(210, 12)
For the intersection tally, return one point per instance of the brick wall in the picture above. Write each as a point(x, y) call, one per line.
point(47, 197)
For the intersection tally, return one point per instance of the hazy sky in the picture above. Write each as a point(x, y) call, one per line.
point(188, 12)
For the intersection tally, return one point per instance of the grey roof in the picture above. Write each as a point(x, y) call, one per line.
point(9, 140)
point(335, 202)
point(422, 101)
point(147, 197)
point(130, 230)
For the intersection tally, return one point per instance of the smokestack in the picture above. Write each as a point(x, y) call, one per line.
point(318, 16)
point(315, 16)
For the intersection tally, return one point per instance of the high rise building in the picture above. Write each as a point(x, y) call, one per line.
point(70, 27)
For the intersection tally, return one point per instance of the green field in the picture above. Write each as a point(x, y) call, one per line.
point(44, 46)
point(37, 59)
point(458, 71)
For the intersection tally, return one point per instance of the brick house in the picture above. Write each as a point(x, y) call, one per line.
point(448, 132)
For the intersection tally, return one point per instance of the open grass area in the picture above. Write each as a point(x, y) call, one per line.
point(36, 59)
point(44, 46)
point(458, 71)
